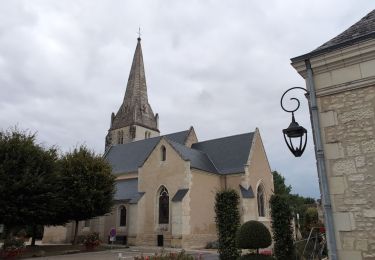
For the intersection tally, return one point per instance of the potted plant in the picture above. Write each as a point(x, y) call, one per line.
point(12, 248)
point(91, 240)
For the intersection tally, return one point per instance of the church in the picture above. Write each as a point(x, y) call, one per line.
point(166, 184)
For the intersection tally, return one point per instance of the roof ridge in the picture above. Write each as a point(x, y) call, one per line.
point(225, 137)
point(201, 152)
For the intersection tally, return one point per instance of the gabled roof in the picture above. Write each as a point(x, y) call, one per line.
point(360, 31)
point(128, 157)
point(198, 159)
point(226, 155)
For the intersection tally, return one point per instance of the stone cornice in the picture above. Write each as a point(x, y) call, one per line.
point(356, 84)
point(354, 54)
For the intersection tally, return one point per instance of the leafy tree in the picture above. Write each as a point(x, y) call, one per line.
point(280, 187)
point(88, 185)
point(298, 204)
point(28, 191)
point(282, 227)
point(227, 222)
point(253, 235)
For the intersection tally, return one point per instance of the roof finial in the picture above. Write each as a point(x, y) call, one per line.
point(139, 34)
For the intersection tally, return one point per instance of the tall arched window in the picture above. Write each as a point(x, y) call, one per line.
point(260, 199)
point(146, 135)
point(122, 216)
point(163, 206)
point(163, 152)
point(120, 137)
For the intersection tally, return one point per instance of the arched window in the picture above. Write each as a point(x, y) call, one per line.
point(120, 137)
point(149, 135)
point(146, 135)
point(163, 206)
point(163, 152)
point(260, 199)
point(122, 216)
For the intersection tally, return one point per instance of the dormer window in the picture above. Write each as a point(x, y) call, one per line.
point(163, 152)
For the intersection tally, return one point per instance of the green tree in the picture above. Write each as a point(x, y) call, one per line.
point(88, 184)
point(253, 235)
point(280, 187)
point(281, 217)
point(28, 191)
point(227, 223)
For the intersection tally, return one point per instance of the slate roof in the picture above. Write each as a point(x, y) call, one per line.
point(226, 155)
point(180, 194)
point(128, 157)
point(360, 31)
point(127, 190)
point(247, 193)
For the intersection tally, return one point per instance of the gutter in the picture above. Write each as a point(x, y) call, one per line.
point(320, 162)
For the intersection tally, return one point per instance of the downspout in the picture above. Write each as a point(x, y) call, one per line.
point(320, 162)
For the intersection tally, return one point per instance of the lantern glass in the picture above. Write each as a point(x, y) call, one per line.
point(297, 133)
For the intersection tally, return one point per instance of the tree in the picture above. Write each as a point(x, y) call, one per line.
point(227, 223)
point(253, 235)
point(280, 187)
point(282, 227)
point(88, 184)
point(28, 192)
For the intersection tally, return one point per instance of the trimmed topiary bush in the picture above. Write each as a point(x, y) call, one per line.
point(282, 227)
point(253, 235)
point(227, 223)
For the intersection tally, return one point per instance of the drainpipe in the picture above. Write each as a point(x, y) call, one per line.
point(320, 162)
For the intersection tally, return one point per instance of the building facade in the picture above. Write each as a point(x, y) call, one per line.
point(343, 74)
point(166, 185)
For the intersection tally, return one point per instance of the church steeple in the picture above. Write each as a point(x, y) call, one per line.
point(135, 109)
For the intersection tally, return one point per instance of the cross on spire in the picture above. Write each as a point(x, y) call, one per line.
point(139, 33)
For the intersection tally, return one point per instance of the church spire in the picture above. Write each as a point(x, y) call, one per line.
point(135, 109)
point(135, 119)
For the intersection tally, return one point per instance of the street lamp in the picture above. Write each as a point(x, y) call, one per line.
point(294, 131)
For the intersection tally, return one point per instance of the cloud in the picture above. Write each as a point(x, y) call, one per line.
point(219, 66)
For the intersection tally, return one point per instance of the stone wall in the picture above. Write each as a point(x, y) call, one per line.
point(344, 81)
point(348, 124)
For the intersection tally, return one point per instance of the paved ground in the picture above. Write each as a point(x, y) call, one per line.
point(128, 254)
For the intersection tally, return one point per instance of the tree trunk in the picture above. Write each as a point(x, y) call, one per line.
point(75, 233)
point(33, 235)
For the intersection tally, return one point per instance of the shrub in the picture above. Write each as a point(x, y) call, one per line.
point(253, 235)
point(282, 227)
point(13, 247)
point(256, 257)
point(227, 223)
point(91, 240)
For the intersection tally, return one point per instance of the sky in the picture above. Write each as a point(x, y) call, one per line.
point(220, 66)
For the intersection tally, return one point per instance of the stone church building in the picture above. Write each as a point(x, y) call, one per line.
point(166, 184)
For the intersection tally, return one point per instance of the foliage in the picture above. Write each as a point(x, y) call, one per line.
point(297, 203)
point(162, 255)
point(91, 240)
point(282, 227)
point(12, 247)
point(256, 257)
point(227, 222)
point(280, 187)
point(28, 191)
point(88, 184)
point(310, 219)
point(253, 235)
